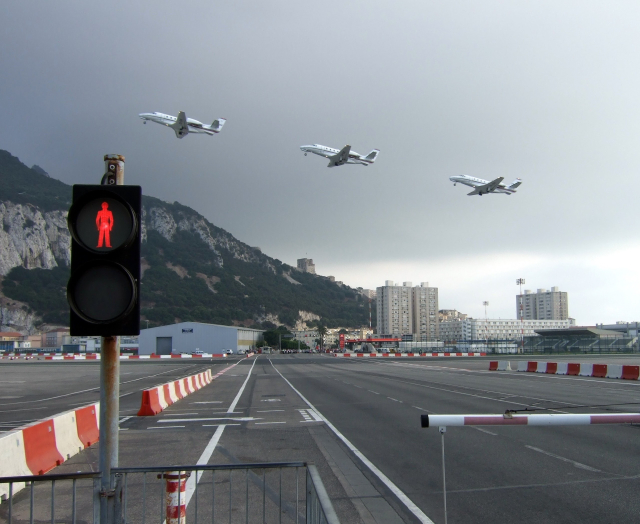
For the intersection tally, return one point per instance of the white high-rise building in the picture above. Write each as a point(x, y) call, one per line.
point(407, 310)
point(425, 313)
point(543, 305)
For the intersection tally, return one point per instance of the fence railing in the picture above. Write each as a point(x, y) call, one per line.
point(274, 492)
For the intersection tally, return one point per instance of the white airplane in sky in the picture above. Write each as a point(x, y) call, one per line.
point(484, 186)
point(342, 156)
point(183, 125)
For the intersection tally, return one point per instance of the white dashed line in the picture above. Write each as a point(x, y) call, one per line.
point(270, 423)
point(164, 427)
point(395, 399)
point(564, 459)
point(485, 431)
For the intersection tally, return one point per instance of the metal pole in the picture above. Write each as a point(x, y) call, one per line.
point(443, 430)
point(109, 385)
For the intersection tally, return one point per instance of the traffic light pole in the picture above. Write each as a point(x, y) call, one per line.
point(109, 385)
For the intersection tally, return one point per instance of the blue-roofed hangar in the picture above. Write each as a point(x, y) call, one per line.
point(188, 337)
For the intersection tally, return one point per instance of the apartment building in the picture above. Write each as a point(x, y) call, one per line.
point(425, 313)
point(543, 305)
point(407, 310)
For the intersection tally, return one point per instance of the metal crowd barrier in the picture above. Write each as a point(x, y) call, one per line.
point(272, 492)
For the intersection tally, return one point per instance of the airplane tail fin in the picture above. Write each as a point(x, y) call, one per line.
point(217, 124)
point(515, 184)
point(371, 157)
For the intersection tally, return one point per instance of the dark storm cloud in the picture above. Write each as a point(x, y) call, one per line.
point(543, 91)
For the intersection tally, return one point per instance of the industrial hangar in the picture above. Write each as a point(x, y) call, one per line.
point(191, 337)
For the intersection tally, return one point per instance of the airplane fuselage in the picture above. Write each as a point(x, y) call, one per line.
point(195, 126)
point(479, 182)
point(329, 152)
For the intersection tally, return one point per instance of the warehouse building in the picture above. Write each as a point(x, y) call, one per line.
point(189, 337)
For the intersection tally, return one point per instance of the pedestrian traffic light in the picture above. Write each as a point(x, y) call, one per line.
point(104, 288)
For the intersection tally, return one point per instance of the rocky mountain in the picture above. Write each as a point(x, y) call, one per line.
point(192, 270)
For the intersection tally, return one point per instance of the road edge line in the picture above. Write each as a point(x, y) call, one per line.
point(417, 512)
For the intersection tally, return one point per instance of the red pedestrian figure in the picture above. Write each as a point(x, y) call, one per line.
point(104, 223)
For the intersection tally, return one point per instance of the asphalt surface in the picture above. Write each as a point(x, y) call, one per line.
point(373, 406)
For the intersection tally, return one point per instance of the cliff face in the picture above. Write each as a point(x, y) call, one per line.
point(31, 238)
point(192, 269)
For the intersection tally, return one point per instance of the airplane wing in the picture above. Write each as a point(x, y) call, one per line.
point(181, 127)
point(340, 158)
point(487, 188)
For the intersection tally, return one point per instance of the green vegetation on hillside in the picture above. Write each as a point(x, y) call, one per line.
point(24, 185)
point(44, 290)
point(244, 290)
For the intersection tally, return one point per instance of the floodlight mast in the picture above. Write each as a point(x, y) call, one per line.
point(520, 282)
point(486, 325)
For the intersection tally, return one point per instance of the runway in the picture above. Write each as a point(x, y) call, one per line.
point(359, 421)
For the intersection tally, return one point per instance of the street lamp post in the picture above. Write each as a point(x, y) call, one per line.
point(520, 282)
point(486, 326)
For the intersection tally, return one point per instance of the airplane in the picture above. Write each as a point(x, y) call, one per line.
point(343, 156)
point(482, 187)
point(183, 125)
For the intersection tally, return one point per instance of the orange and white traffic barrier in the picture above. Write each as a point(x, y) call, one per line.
point(175, 496)
point(620, 371)
point(159, 398)
point(517, 419)
point(39, 447)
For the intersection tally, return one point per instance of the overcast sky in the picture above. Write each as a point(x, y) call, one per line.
point(544, 91)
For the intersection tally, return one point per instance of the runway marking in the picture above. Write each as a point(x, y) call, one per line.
point(164, 427)
point(208, 402)
point(371, 391)
point(90, 389)
point(270, 423)
point(240, 419)
point(271, 400)
point(309, 415)
point(564, 459)
point(395, 400)
point(395, 489)
point(216, 425)
point(485, 431)
point(124, 419)
point(211, 446)
point(475, 395)
point(178, 414)
point(422, 409)
point(268, 410)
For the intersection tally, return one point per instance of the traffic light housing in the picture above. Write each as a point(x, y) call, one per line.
point(104, 288)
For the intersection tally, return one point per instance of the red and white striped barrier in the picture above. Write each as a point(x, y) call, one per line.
point(157, 399)
point(401, 355)
point(619, 371)
point(516, 419)
point(39, 447)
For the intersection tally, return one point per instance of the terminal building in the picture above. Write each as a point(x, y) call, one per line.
point(189, 337)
